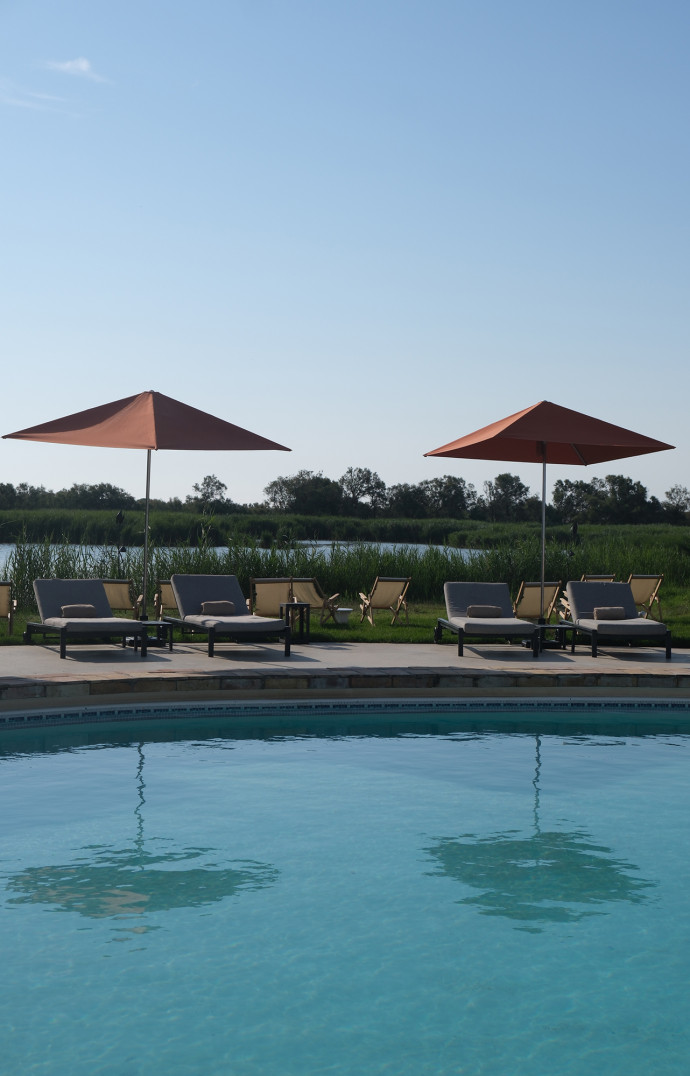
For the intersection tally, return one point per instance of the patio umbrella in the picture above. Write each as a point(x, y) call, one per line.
point(147, 421)
point(549, 433)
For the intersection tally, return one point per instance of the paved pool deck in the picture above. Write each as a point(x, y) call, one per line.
point(35, 678)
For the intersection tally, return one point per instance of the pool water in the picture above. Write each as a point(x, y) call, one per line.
point(471, 902)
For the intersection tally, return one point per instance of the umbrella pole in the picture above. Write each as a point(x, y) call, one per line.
point(543, 529)
point(144, 614)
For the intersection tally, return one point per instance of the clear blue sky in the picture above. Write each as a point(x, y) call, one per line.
point(361, 228)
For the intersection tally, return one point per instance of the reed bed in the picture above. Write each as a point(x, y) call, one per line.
point(350, 568)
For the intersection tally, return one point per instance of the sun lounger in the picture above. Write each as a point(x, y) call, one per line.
point(308, 590)
point(608, 611)
point(388, 592)
point(216, 606)
point(645, 590)
point(527, 605)
point(79, 609)
point(485, 610)
point(267, 595)
point(8, 604)
point(588, 577)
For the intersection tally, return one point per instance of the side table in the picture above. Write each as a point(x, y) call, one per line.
point(300, 610)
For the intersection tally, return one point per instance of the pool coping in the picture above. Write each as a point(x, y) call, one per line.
point(43, 684)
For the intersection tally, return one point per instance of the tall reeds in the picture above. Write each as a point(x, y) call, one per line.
point(351, 568)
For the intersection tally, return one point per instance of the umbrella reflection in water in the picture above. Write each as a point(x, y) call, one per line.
point(111, 882)
point(555, 876)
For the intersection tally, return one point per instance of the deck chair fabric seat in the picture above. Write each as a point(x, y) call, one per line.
point(267, 595)
point(461, 596)
point(8, 603)
point(163, 598)
point(191, 591)
point(527, 605)
point(587, 602)
point(54, 595)
point(309, 591)
point(645, 590)
point(120, 594)
point(388, 592)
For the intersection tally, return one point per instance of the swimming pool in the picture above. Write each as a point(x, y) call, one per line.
point(430, 895)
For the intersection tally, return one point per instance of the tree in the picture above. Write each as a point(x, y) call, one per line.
point(406, 501)
point(279, 493)
point(305, 493)
point(576, 502)
point(505, 498)
point(361, 486)
point(8, 495)
point(449, 496)
point(676, 504)
point(210, 493)
point(100, 495)
point(315, 495)
point(32, 496)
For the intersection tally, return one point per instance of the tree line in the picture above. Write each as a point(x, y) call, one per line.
point(362, 493)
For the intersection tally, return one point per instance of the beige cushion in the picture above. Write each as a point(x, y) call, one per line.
point(81, 612)
point(484, 612)
point(609, 612)
point(218, 608)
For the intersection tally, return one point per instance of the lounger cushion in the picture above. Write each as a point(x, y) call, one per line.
point(219, 608)
point(484, 612)
point(609, 612)
point(79, 612)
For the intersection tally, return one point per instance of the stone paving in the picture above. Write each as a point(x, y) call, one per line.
point(34, 677)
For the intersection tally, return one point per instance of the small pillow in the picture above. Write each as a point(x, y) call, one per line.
point(81, 612)
point(218, 608)
point(485, 612)
point(609, 612)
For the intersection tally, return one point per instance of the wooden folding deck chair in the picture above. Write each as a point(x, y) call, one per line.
point(267, 595)
point(164, 598)
point(120, 594)
point(527, 605)
point(645, 590)
point(308, 590)
point(8, 604)
point(388, 592)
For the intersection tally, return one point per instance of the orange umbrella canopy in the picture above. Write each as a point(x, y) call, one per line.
point(549, 433)
point(151, 421)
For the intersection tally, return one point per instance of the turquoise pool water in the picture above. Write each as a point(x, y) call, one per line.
point(464, 901)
